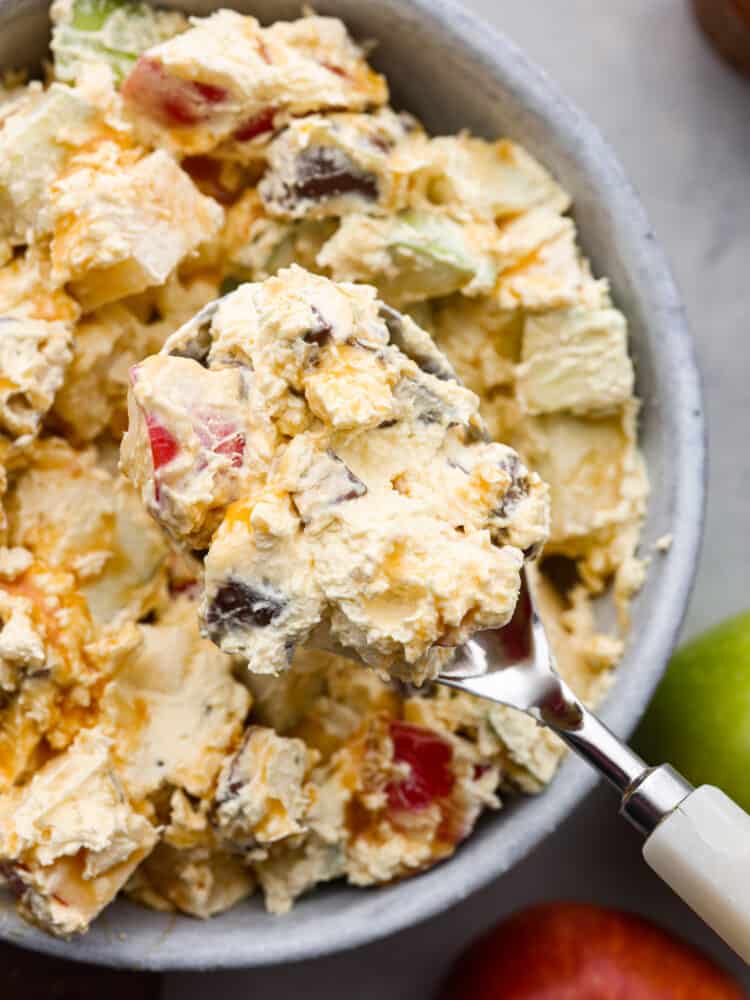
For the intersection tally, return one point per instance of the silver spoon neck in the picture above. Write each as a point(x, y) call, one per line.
point(647, 794)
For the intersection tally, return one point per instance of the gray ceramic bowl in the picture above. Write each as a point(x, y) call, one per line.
point(453, 71)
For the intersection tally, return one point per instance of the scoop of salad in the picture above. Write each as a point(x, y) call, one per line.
point(319, 447)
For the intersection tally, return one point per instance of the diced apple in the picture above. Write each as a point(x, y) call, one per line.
point(33, 147)
point(117, 234)
point(112, 32)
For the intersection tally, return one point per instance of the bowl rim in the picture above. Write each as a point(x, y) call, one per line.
point(474, 866)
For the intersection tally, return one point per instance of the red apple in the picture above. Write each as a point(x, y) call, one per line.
point(574, 951)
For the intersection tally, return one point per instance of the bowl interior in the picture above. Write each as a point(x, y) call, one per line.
point(454, 72)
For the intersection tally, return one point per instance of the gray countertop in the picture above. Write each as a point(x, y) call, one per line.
point(678, 119)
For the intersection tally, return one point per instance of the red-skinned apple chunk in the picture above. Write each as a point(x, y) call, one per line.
point(575, 951)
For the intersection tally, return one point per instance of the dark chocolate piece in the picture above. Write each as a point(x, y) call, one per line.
point(235, 780)
point(324, 483)
point(433, 363)
point(357, 487)
point(321, 332)
point(327, 173)
point(238, 605)
point(518, 489)
point(198, 346)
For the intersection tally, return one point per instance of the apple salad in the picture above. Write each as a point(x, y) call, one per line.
point(233, 454)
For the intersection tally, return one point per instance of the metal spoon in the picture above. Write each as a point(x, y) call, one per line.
point(697, 840)
point(516, 667)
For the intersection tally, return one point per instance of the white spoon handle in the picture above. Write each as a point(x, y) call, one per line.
point(702, 851)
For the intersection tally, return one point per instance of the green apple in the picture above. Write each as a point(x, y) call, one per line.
point(699, 719)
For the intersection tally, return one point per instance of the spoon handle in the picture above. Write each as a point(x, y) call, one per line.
point(697, 839)
point(702, 851)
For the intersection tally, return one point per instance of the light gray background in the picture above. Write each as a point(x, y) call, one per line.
point(678, 119)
